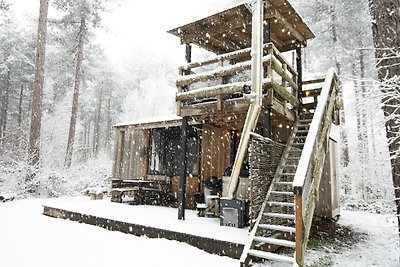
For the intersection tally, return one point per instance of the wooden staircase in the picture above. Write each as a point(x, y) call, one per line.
point(275, 226)
point(286, 214)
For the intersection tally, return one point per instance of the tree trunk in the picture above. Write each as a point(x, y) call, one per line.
point(360, 183)
point(335, 36)
point(386, 34)
point(96, 132)
point(4, 107)
point(343, 133)
point(21, 98)
point(108, 126)
point(36, 116)
point(75, 99)
point(364, 124)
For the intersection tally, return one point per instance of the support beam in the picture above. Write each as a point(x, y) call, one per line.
point(267, 32)
point(188, 55)
point(288, 25)
point(182, 178)
point(233, 147)
point(299, 79)
point(267, 123)
point(256, 88)
point(185, 125)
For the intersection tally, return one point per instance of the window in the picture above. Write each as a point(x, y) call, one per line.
point(165, 152)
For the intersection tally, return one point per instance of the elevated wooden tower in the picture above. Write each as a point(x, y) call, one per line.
point(245, 116)
point(250, 87)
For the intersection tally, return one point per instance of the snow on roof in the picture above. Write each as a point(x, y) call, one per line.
point(145, 121)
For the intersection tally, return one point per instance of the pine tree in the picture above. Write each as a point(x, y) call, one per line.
point(386, 35)
point(36, 117)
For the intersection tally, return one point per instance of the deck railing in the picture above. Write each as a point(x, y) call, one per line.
point(309, 172)
point(229, 74)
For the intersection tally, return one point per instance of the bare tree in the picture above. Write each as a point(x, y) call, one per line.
point(386, 33)
point(97, 117)
point(36, 117)
point(75, 99)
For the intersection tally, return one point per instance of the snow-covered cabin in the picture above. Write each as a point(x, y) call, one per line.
point(249, 128)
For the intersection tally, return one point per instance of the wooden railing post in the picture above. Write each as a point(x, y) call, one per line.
point(284, 67)
point(298, 201)
point(179, 89)
point(221, 81)
point(269, 74)
point(299, 79)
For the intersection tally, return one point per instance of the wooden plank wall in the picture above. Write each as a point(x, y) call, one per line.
point(131, 153)
point(126, 154)
point(117, 166)
point(139, 157)
point(215, 151)
point(328, 202)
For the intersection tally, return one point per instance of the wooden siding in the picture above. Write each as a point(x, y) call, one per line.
point(215, 151)
point(328, 200)
point(131, 153)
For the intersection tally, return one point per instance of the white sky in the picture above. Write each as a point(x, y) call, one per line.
point(139, 27)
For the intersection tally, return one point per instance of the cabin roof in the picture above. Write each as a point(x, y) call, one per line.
point(230, 30)
point(155, 122)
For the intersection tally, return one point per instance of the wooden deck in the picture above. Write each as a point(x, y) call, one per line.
point(212, 243)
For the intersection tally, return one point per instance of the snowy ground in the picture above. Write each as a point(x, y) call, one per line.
point(378, 244)
point(27, 238)
point(152, 216)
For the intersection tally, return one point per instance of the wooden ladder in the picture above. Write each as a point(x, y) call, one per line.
point(275, 224)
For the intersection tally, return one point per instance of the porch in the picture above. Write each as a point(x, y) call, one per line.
point(153, 222)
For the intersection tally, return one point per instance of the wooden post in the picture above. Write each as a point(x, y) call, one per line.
point(284, 67)
point(299, 79)
point(270, 95)
point(221, 81)
point(298, 202)
point(182, 179)
point(233, 147)
point(267, 123)
point(188, 55)
point(267, 32)
point(188, 58)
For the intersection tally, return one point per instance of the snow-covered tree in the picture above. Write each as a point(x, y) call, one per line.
point(386, 32)
point(36, 116)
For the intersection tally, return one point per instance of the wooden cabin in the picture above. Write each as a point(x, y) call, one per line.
point(251, 139)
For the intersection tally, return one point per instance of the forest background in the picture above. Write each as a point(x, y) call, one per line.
point(129, 65)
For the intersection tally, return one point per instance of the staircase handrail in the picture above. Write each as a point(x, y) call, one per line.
point(309, 171)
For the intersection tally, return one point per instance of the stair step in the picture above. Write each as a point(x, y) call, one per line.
point(270, 256)
point(283, 193)
point(275, 241)
point(277, 228)
point(281, 204)
point(305, 120)
point(301, 131)
point(284, 183)
point(287, 174)
point(279, 215)
point(299, 144)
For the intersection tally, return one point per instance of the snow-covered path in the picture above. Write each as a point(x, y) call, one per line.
point(27, 238)
point(381, 247)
